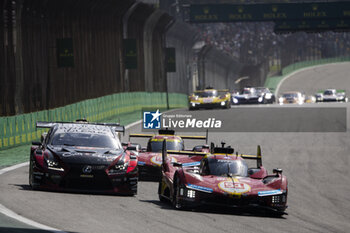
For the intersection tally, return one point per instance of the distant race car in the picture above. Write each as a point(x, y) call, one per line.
point(222, 178)
point(253, 95)
point(150, 158)
point(269, 97)
point(310, 99)
point(331, 95)
point(209, 98)
point(84, 157)
point(292, 97)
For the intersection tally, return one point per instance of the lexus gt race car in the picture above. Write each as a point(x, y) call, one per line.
point(150, 158)
point(222, 178)
point(210, 98)
point(331, 95)
point(253, 95)
point(293, 97)
point(83, 157)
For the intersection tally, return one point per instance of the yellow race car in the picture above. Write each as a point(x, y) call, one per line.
point(210, 98)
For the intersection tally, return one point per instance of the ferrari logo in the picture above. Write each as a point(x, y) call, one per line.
point(240, 9)
point(206, 10)
point(315, 7)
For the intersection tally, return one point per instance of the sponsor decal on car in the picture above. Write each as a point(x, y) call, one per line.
point(157, 160)
point(199, 188)
point(191, 164)
point(141, 163)
point(235, 187)
point(269, 192)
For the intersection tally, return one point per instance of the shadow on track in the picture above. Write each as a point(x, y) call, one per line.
point(26, 187)
point(239, 211)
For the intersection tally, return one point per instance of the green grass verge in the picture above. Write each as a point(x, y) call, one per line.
point(272, 82)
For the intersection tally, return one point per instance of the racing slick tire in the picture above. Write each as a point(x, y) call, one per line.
point(178, 205)
point(32, 183)
point(161, 198)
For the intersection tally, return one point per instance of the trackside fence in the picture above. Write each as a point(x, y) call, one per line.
point(20, 129)
point(272, 82)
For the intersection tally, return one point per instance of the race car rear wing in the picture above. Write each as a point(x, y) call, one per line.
point(256, 157)
point(170, 132)
point(165, 152)
point(189, 153)
point(139, 135)
point(44, 124)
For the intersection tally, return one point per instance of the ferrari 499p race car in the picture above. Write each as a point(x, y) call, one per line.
point(150, 158)
point(222, 178)
point(84, 157)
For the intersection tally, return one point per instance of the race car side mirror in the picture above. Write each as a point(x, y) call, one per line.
point(36, 143)
point(131, 148)
point(175, 164)
point(277, 171)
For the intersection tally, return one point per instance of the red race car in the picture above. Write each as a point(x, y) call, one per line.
point(150, 158)
point(84, 157)
point(222, 178)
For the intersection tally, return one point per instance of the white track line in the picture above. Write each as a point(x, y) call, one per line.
point(27, 221)
point(11, 214)
point(301, 70)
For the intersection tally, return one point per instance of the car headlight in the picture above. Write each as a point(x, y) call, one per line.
point(191, 193)
point(260, 99)
point(235, 100)
point(276, 199)
point(120, 167)
point(268, 96)
point(194, 97)
point(223, 103)
point(53, 165)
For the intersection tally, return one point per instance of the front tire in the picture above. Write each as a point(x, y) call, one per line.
point(31, 177)
point(176, 196)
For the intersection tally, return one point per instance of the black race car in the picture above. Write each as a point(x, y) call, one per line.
point(84, 157)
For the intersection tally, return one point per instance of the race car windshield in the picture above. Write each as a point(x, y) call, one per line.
point(247, 92)
point(207, 94)
point(292, 95)
point(328, 92)
point(222, 167)
point(85, 140)
point(156, 146)
point(262, 90)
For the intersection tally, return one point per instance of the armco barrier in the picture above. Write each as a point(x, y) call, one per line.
point(272, 82)
point(20, 129)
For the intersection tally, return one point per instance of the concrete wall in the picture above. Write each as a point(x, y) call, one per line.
point(31, 79)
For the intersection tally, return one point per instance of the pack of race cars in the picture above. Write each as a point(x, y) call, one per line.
point(210, 98)
point(89, 157)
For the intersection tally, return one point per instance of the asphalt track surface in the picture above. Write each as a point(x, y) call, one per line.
point(316, 164)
